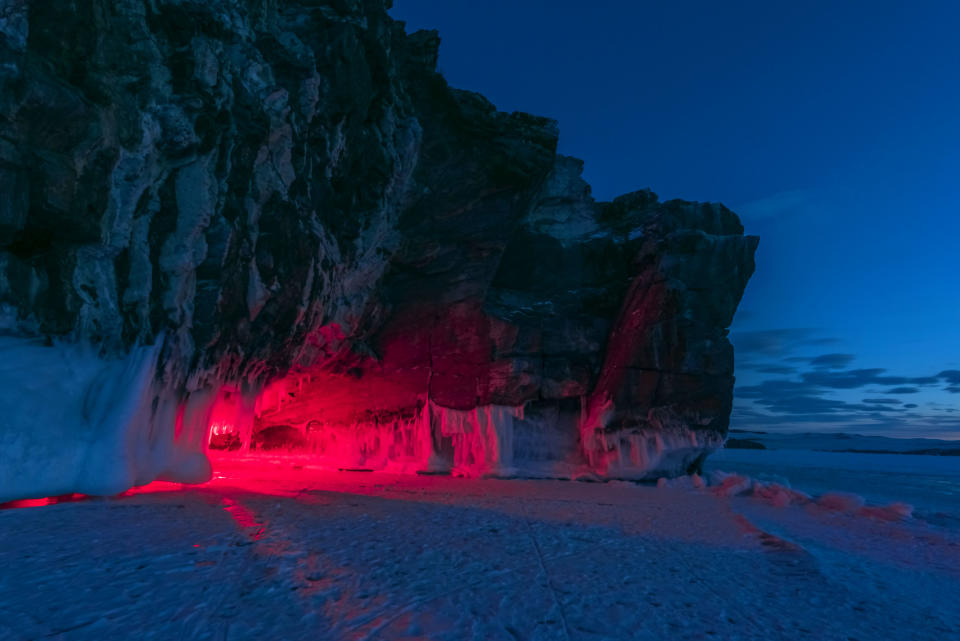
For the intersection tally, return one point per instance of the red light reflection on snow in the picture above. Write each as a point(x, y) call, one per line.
point(244, 518)
point(26, 503)
point(47, 500)
point(156, 486)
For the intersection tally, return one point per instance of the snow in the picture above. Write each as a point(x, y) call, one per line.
point(277, 552)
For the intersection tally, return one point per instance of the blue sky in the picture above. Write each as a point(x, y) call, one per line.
point(833, 128)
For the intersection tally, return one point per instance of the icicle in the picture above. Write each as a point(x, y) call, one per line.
point(518, 411)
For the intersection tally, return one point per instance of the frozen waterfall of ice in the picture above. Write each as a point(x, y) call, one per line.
point(76, 422)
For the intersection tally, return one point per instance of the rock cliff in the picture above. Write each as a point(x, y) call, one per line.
point(273, 223)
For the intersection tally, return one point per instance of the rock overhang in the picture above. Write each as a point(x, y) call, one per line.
point(294, 198)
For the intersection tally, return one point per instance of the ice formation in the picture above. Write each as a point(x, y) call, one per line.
point(75, 422)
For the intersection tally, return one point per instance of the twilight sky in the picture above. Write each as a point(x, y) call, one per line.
point(832, 128)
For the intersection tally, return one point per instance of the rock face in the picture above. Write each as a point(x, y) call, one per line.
point(279, 214)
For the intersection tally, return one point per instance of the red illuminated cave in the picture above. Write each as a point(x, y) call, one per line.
point(311, 246)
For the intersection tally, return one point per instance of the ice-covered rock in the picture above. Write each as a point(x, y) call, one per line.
point(841, 502)
point(73, 422)
point(284, 216)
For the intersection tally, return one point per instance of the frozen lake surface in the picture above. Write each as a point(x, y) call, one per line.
point(929, 483)
point(273, 552)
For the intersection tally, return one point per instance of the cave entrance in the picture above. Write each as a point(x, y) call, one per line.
point(350, 422)
point(328, 421)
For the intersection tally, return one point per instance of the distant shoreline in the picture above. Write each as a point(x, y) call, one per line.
point(927, 452)
point(839, 442)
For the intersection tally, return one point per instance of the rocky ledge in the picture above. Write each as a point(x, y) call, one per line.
point(256, 224)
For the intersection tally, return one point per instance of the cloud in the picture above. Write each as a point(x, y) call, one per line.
point(776, 369)
point(951, 376)
point(774, 388)
point(832, 361)
point(807, 399)
point(770, 342)
point(778, 205)
point(819, 405)
point(810, 389)
point(848, 379)
point(777, 342)
point(803, 405)
point(854, 378)
point(765, 368)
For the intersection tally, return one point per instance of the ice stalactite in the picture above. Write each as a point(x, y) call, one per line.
point(428, 438)
point(398, 443)
point(664, 447)
point(545, 440)
point(232, 417)
point(595, 413)
point(650, 453)
point(482, 438)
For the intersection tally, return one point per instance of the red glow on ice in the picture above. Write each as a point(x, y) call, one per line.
point(218, 429)
point(47, 500)
point(244, 518)
point(336, 422)
point(26, 503)
point(156, 486)
point(223, 415)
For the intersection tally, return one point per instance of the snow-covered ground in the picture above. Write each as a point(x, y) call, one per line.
point(274, 553)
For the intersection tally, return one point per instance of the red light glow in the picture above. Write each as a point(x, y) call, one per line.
point(41, 502)
point(325, 421)
point(244, 518)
